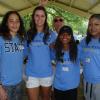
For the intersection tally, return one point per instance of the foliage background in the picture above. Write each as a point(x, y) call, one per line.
point(78, 23)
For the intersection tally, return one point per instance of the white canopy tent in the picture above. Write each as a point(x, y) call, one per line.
point(79, 7)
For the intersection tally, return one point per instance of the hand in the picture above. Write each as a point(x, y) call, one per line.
point(3, 94)
point(52, 45)
point(43, 2)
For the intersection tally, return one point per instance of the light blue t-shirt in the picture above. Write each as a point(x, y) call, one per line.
point(39, 62)
point(91, 60)
point(67, 74)
point(11, 61)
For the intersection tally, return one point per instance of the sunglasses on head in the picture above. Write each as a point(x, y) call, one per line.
point(57, 20)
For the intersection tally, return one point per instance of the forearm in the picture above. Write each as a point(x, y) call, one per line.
point(3, 94)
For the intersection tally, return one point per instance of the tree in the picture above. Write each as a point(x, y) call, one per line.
point(79, 24)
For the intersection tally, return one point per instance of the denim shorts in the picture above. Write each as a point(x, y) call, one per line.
point(14, 91)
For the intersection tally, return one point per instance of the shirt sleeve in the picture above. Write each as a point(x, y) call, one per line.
point(52, 55)
point(0, 51)
point(81, 55)
point(26, 49)
point(52, 37)
point(80, 51)
point(0, 60)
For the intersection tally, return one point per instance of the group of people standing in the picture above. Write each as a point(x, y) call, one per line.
point(40, 45)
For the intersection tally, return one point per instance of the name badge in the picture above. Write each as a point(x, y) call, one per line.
point(65, 69)
point(88, 60)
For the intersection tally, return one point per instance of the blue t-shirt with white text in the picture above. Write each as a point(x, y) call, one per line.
point(91, 60)
point(39, 62)
point(11, 61)
point(67, 74)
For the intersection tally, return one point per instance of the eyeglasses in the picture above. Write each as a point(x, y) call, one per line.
point(58, 20)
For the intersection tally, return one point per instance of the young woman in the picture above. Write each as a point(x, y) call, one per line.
point(11, 56)
point(38, 69)
point(91, 59)
point(67, 74)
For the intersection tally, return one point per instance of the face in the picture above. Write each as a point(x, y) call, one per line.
point(13, 24)
point(58, 23)
point(94, 27)
point(65, 38)
point(39, 18)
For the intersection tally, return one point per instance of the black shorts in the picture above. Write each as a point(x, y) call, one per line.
point(65, 95)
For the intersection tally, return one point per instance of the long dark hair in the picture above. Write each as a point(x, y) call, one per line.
point(89, 36)
point(4, 30)
point(32, 32)
point(72, 45)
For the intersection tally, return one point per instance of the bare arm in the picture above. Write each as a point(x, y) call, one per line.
point(3, 94)
point(43, 2)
